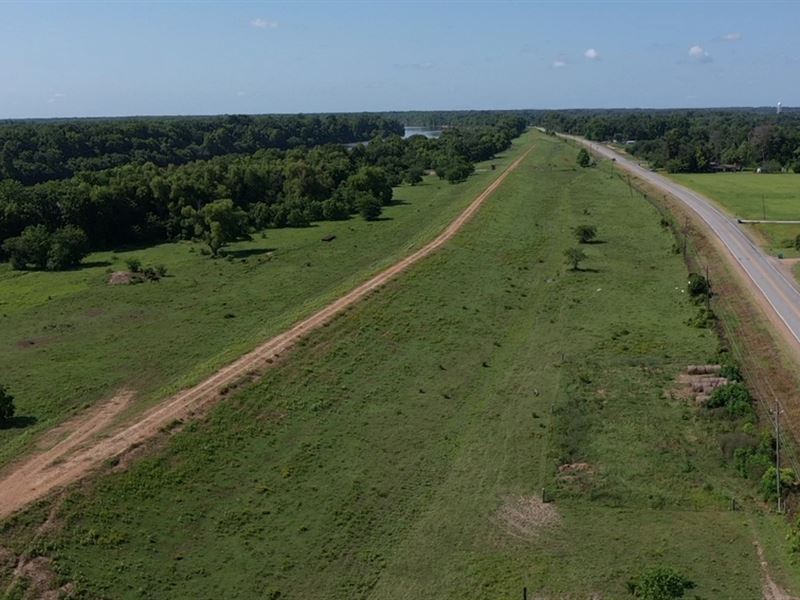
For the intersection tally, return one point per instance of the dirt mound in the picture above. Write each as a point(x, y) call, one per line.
point(524, 517)
point(121, 278)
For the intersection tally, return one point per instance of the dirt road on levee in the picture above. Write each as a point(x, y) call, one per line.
point(88, 442)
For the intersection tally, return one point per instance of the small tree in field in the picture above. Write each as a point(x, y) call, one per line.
point(583, 159)
point(585, 233)
point(222, 222)
point(7, 407)
point(368, 206)
point(574, 257)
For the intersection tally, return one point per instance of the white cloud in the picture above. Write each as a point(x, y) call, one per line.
point(592, 54)
point(734, 36)
point(559, 63)
point(699, 54)
point(260, 23)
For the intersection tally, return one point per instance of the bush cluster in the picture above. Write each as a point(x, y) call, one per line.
point(38, 248)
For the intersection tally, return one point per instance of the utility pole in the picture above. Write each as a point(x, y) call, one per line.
point(708, 292)
point(778, 452)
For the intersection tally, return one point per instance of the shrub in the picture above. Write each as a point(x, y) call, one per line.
point(583, 158)
point(661, 583)
point(134, 264)
point(697, 285)
point(585, 233)
point(733, 396)
point(768, 483)
point(7, 407)
point(794, 537)
point(161, 270)
point(730, 371)
point(703, 319)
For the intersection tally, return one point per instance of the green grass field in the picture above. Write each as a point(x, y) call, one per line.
point(68, 339)
point(754, 196)
point(384, 457)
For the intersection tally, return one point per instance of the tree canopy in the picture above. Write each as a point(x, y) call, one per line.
point(290, 183)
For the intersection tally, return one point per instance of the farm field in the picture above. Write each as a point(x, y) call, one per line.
point(741, 194)
point(68, 340)
point(400, 451)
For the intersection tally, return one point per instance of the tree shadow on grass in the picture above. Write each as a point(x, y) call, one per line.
point(398, 202)
point(583, 270)
point(248, 252)
point(92, 264)
point(17, 422)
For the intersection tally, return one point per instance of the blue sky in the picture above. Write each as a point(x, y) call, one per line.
point(119, 58)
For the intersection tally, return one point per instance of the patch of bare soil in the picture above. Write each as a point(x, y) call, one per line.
point(576, 476)
point(83, 450)
point(523, 517)
point(41, 582)
point(31, 342)
point(770, 589)
point(7, 559)
point(120, 278)
point(23, 482)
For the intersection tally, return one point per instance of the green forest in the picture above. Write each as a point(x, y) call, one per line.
point(692, 141)
point(137, 181)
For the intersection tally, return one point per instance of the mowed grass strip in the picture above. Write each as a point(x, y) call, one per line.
point(68, 340)
point(400, 452)
point(755, 196)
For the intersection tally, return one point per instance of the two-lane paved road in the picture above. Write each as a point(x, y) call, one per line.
point(779, 292)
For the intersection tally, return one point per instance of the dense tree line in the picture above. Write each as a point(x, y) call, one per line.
point(693, 140)
point(52, 224)
point(37, 151)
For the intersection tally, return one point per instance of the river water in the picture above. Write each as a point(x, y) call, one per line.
point(428, 133)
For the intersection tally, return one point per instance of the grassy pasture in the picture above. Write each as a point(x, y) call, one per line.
point(742, 193)
point(375, 462)
point(68, 339)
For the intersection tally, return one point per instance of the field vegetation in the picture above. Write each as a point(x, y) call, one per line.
point(404, 450)
point(68, 339)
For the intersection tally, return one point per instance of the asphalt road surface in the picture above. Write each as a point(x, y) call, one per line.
point(779, 292)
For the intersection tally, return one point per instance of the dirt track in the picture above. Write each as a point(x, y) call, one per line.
point(82, 450)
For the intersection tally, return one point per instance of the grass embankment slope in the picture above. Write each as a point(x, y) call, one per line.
point(752, 196)
point(68, 339)
point(396, 453)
